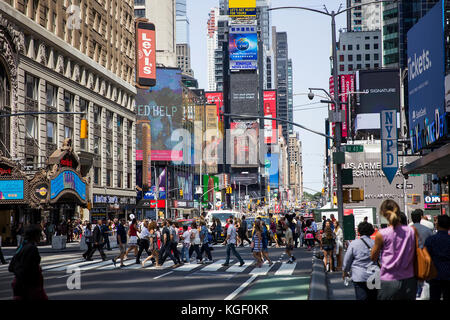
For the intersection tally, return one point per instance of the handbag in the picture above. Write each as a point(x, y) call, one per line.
point(424, 268)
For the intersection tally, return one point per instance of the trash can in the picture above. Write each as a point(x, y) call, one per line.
point(59, 242)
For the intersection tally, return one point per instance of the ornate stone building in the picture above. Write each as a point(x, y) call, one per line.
point(71, 56)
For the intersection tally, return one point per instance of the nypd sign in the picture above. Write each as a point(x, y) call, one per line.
point(389, 152)
point(426, 79)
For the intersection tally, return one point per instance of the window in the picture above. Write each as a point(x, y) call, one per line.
point(350, 67)
point(31, 87)
point(31, 126)
point(350, 47)
point(138, 13)
point(120, 124)
point(54, 22)
point(376, 65)
point(375, 45)
point(343, 47)
point(68, 101)
point(368, 57)
point(108, 149)
point(129, 180)
point(51, 95)
point(109, 119)
point(97, 172)
point(367, 38)
point(51, 132)
point(84, 106)
point(119, 179)
point(376, 56)
point(376, 37)
point(119, 152)
point(358, 57)
point(367, 65)
point(357, 47)
point(341, 67)
point(68, 132)
point(108, 177)
point(367, 46)
point(359, 67)
point(350, 57)
point(341, 58)
point(97, 145)
point(129, 155)
point(97, 114)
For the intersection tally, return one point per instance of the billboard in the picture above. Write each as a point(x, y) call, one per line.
point(271, 169)
point(368, 175)
point(270, 110)
point(244, 93)
point(243, 47)
point(242, 8)
point(12, 189)
point(161, 107)
point(381, 91)
point(426, 79)
point(67, 180)
point(145, 54)
point(347, 85)
point(217, 99)
point(211, 135)
point(244, 142)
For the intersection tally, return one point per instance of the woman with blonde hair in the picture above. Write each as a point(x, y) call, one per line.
point(395, 247)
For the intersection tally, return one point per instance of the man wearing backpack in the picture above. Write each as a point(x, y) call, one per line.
point(205, 242)
point(243, 234)
point(97, 239)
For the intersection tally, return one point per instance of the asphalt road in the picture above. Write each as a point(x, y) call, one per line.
point(100, 280)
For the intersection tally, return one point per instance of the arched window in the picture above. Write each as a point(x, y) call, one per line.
point(5, 108)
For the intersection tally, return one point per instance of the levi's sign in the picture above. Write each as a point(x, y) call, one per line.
point(146, 54)
point(389, 153)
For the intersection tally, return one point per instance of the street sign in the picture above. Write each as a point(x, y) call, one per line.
point(389, 152)
point(354, 148)
point(400, 186)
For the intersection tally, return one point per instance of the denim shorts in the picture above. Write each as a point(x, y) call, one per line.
point(328, 248)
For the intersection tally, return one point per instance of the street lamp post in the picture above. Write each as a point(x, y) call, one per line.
point(336, 100)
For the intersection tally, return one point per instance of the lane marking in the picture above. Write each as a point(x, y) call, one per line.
point(51, 266)
point(76, 265)
point(241, 287)
point(263, 270)
point(286, 269)
point(236, 268)
point(165, 274)
point(188, 267)
point(214, 266)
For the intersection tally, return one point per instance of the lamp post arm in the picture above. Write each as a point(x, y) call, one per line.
point(302, 8)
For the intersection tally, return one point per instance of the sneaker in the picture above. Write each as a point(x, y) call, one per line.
point(241, 264)
point(289, 261)
point(209, 261)
point(113, 261)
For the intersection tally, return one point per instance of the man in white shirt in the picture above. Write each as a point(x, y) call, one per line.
point(144, 242)
point(230, 241)
point(424, 221)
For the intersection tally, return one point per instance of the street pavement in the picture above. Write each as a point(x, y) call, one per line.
point(101, 280)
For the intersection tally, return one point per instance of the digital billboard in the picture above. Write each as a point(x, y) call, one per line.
point(381, 91)
point(244, 93)
point(242, 8)
point(347, 85)
point(243, 47)
point(11, 189)
point(272, 170)
point(270, 110)
point(145, 54)
point(244, 142)
point(217, 99)
point(426, 79)
point(162, 108)
point(211, 135)
point(67, 180)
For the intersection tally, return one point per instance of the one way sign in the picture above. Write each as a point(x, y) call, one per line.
point(400, 186)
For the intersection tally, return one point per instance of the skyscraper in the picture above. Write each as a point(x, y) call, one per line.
point(182, 38)
point(290, 95)
point(212, 46)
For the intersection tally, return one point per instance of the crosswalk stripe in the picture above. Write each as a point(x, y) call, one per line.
point(188, 267)
point(261, 271)
point(214, 266)
point(111, 267)
point(286, 269)
point(167, 264)
point(97, 265)
point(236, 268)
point(76, 265)
point(65, 263)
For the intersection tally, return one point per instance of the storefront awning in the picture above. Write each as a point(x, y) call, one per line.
point(436, 162)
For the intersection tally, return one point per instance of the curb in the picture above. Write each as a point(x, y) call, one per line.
point(318, 287)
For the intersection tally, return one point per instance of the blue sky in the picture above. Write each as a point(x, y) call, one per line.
point(309, 45)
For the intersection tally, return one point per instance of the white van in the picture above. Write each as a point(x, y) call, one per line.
point(222, 215)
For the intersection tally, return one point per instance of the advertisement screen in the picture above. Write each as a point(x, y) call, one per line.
point(244, 94)
point(146, 54)
point(160, 107)
point(270, 110)
point(242, 8)
point(381, 91)
point(243, 47)
point(67, 180)
point(426, 79)
point(217, 99)
point(347, 85)
point(11, 189)
point(244, 142)
point(271, 168)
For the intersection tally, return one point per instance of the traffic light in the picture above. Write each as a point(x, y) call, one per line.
point(357, 195)
point(346, 196)
point(84, 129)
point(181, 192)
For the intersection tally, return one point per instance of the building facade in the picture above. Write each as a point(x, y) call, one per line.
point(359, 51)
point(51, 63)
point(211, 47)
point(295, 166)
point(364, 17)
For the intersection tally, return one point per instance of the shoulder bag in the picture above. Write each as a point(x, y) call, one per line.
point(424, 268)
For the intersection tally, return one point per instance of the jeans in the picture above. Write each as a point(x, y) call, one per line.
point(205, 247)
point(438, 287)
point(232, 247)
point(195, 247)
point(144, 244)
point(165, 252)
point(364, 293)
point(185, 251)
point(405, 289)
